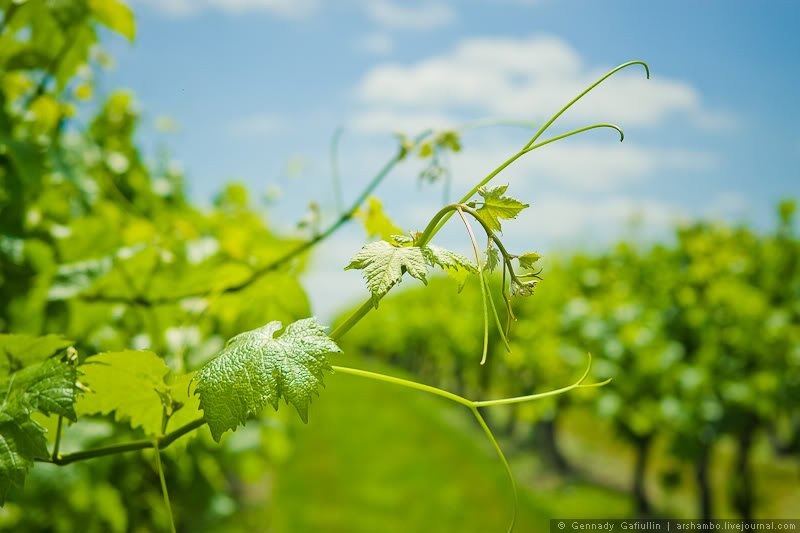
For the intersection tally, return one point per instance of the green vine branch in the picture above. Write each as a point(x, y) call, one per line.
point(162, 442)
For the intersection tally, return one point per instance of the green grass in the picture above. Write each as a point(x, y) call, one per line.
point(380, 458)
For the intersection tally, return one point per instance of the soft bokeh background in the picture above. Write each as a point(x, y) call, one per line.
point(257, 89)
point(673, 257)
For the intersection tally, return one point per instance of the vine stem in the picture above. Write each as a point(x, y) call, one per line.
point(474, 406)
point(57, 444)
point(162, 443)
point(502, 456)
point(404, 383)
point(441, 218)
point(483, 284)
point(164, 491)
point(286, 257)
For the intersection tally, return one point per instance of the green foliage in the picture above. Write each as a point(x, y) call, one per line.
point(256, 368)
point(495, 206)
point(20, 351)
point(116, 16)
point(376, 222)
point(134, 386)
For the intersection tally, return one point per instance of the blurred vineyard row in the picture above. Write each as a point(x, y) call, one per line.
point(701, 337)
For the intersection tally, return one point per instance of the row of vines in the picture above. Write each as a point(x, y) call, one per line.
point(701, 335)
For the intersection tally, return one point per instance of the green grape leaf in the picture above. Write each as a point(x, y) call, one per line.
point(128, 383)
point(528, 260)
point(448, 260)
point(256, 368)
point(456, 265)
point(403, 240)
point(21, 441)
point(492, 259)
point(495, 206)
point(384, 264)
point(47, 387)
point(115, 15)
point(376, 221)
point(20, 351)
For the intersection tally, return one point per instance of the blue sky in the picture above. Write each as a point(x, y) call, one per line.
point(257, 88)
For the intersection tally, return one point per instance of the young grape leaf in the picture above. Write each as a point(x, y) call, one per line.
point(129, 384)
point(492, 259)
point(495, 206)
point(528, 260)
point(256, 368)
point(403, 240)
point(448, 260)
point(384, 265)
point(376, 221)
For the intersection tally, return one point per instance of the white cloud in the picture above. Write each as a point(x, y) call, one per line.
point(255, 126)
point(420, 16)
point(578, 165)
point(377, 43)
point(554, 220)
point(530, 77)
point(282, 8)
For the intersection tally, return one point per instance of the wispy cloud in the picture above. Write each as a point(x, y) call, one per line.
point(580, 165)
point(281, 8)
point(530, 77)
point(414, 16)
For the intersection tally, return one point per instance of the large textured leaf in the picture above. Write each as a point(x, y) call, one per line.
point(495, 206)
point(128, 383)
point(384, 265)
point(256, 368)
point(21, 441)
point(48, 387)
